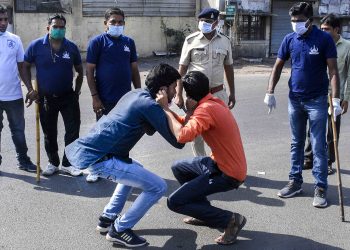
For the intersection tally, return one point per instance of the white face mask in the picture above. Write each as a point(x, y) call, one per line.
point(115, 31)
point(205, 27)
point(299, 27)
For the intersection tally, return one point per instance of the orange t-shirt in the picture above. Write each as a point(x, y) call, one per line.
point(213, 120)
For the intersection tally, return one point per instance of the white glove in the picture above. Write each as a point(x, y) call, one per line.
point(337, 110)
point(270, 101)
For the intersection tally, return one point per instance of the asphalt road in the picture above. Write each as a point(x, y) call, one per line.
point(61, 212)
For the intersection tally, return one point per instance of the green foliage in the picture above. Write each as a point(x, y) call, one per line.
point(175, 38)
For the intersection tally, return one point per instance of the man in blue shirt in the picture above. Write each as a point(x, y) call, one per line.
point(311, 51)
point(54, 57)
point(111, 66)
point(105, 150)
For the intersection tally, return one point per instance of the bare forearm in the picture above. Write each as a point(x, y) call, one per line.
point(335, 84)
point(91, 83)
point(230, 78)
point(136, 80)
point(274, 78)
point(174, 125)
point(78, 83)
point(26, 77)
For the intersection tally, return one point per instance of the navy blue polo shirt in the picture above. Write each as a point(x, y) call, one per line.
point(54, 75)
point(113, 58)
point(309, 54)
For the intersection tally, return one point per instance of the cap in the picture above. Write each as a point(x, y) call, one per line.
point(209, 13)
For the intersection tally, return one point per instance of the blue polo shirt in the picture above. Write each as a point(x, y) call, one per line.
point(309, 54)
point(113, 58)
point(54, 70)
point(117, 133)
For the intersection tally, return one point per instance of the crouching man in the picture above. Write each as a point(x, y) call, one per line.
point(199, 177)
point(105, 150)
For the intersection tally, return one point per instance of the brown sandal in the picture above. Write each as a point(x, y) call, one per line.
point(231, 231)
point(194, 221)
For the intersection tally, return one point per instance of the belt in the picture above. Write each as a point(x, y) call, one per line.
point(216, 89)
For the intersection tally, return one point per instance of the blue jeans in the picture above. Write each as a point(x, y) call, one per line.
point(200, 177)
point(129, 175)
point(15, 115)
point(316, 111)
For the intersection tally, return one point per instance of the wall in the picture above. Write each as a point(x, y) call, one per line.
point(145, 31)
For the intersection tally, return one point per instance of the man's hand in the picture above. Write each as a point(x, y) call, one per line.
point(270, 101)
point(337, 110)
point(179, 101)
point(97, 105)
point(162, 98)
point(191, 105)
point(31, 96)
point(344, 106)
point(231, 101)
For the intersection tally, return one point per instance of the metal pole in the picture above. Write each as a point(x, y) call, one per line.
point(335, 141)
point(35, 84)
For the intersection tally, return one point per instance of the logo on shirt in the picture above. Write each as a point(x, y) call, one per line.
point(66, 55)
point(11, 44)
point(126, 48)
point(314, 50)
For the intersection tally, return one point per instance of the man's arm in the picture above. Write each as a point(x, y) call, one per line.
point(26, 76)
point(79, 79)
point(135, 75)
point(275, 76)
point(90, 76)
point(179, 101)
point(334, 76)
point(345, 102)
point(231, 84)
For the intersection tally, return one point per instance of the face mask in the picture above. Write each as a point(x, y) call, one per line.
point(57, 33)
point(204, 27)
point(299, 28)
point(115, 31)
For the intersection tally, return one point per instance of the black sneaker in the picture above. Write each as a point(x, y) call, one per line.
point(291, 189)
point(307, 165)
point(126, 238)
point(330, 170)
point(104, 224)
point(27, 166)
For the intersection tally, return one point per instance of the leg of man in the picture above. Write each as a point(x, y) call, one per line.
point(330, 141)
point(70, 111)
point(200, 177)
point(48, 118)
point(15, 115)
point(1, 125)
point(308, 157)
point(131, 175)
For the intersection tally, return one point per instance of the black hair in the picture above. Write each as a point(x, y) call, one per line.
point(3, 9)
point(56, 16)
point(302, 8)
point(196, 85)
point(331, 20)
point(161, 75)
point(113, 11)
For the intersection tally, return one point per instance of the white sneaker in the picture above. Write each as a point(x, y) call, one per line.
point(71, 170)
point(91, 178)
point(50, 170)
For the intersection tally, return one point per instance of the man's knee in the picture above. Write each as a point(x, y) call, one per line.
point(174, 203)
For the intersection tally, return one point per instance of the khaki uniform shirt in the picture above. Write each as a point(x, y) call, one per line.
point(208, 57)
point(343, 61)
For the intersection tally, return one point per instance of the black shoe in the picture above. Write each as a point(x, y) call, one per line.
point(330, 170)
point(126, 238)
point(307, 165)
point(291, 189)
point(104, 224)
point(27, 166)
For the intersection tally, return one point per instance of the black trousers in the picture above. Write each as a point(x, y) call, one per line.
point(200, 177)
point(68, 106)
point(308, 155)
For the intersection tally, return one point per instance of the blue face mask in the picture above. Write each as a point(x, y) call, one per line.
point(115, 31)
point(205, 27)
point(58, 34)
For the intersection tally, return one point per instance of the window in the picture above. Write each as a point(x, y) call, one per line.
point(38, 6)
point(251, 27)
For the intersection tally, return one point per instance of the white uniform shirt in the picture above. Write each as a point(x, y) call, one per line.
point(11, 52)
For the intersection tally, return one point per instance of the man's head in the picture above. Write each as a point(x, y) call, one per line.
point(331, 24)
point(56, 26)
point(196, 85)
point(114, 22)
point(3, 19)
point(301, 17)
point(208, 20)
point(162, 77)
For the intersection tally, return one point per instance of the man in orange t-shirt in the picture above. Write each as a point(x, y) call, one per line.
point(199, 177)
